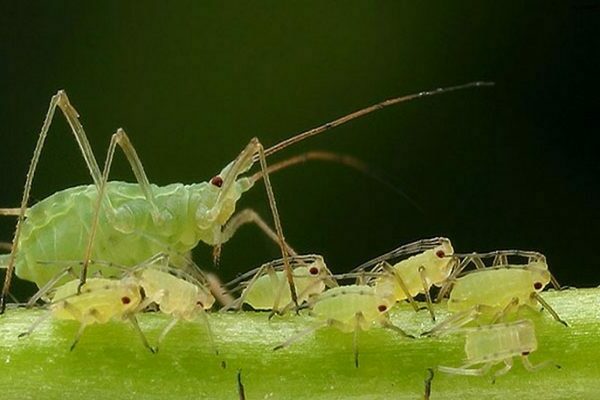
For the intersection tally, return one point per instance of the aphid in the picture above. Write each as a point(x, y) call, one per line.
point(349, 308)
point(268, 288)
point(497, 291)
point(99, 301)
point(128, 223)
point(498, 343)
point(414, 275)
point(182, 297)
point(500, 258)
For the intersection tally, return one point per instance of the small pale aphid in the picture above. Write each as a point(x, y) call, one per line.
point(99, 301)
point(268, 288)
point(349, 308)
point(498, 343)
point(182, 297)
point(414, 275)
point(496, 291)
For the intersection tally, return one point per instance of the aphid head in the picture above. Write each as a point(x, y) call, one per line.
point(540, 276)
point(204, 298)
point(443, 262)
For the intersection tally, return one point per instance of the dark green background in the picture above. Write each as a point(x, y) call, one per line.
point(513, 166)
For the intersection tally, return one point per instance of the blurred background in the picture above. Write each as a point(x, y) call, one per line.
point(513, 166)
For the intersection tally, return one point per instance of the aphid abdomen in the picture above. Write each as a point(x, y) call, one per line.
point(57, 229)
point(343, 303)
point(500, 341)
point(492, 287)
point(264, 290)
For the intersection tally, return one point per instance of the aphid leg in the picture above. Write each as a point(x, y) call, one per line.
point(137, 328)
point(35, 324)
point(164, 332)
point(240, 386)
point(465, 370)
point(278, 288)
point(78, 336)
point(48, 286)
point(508, 363)
point(510, 307)
point(530, 367)
point(357, 322)
point(254, 151)
point(385, 322)
point(246, 216)
point(500, 259)
point(427, 382)
point(390, 270)
point(452, 278)
point(59, 99)
point(218, 290)
point(548, 308)
point(455, 322)
point(119, 138)
point(9, 212)
point(209, 332)
point(303, 333)
point(423, 275)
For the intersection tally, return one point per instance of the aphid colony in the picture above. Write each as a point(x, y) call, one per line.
point(112, 250)
point(357, 301)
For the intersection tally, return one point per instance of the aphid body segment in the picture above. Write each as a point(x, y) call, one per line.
point(268, 288)
point(498, 343)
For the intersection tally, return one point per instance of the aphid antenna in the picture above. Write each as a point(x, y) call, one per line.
point(427, 382)
point(404, 250)
point(344, 159)
point(364, 111)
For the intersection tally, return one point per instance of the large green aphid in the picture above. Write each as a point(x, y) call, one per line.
point(128, 223)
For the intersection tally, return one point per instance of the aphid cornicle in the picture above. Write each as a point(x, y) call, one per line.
point(268, 288)
point(99, 301)
point(128, 223)
point(414, 275)
point(350, 308)
point(498, 343)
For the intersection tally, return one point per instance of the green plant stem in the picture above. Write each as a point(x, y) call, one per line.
point(110, 362)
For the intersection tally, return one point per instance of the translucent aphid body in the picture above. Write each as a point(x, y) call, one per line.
point(183, 298)
point(498, 343)
point(99, 301)
point(268, 288)
point(497, 292)
point(414, 275)
point(350, 308)
point(498, 287)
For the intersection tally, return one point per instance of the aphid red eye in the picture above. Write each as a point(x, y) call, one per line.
point(382, 307)
point(125, 300)
point(525, 353)
point(538, 285)
point(440, 253)
point(217, 181)
point(313, 270)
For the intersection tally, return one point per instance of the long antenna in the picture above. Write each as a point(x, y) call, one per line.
point(368, 110)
